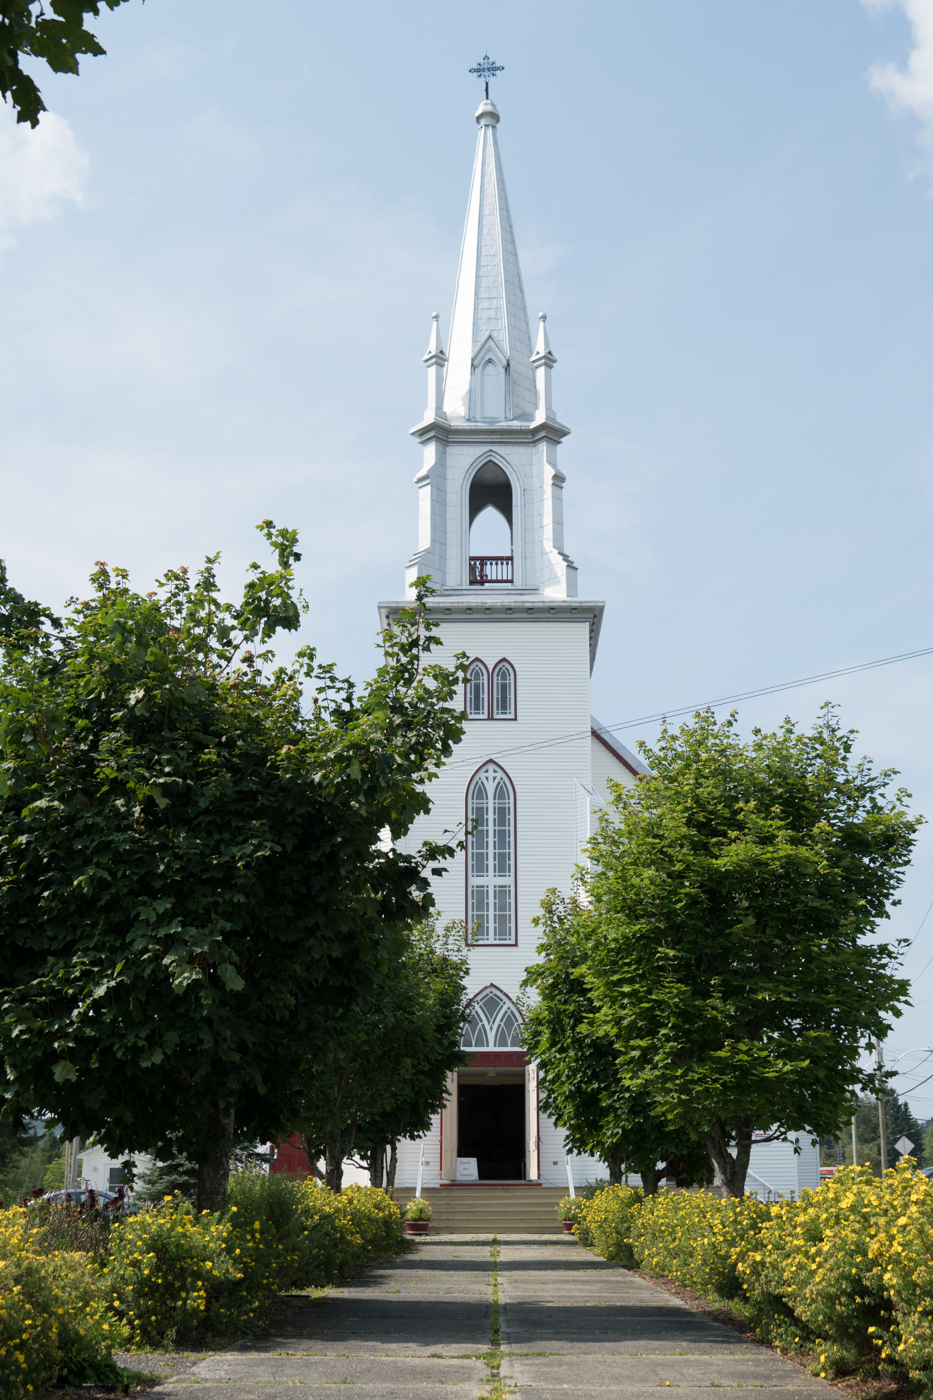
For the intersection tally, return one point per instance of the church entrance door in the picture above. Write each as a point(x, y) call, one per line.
point(491, 1128)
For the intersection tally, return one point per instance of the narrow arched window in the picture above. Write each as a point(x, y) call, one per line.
point(477, 684)
point(503, 691)
point(491, 857)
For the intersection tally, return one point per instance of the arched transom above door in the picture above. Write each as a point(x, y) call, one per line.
point(494, 1023)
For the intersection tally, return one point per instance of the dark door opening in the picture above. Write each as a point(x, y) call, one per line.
point(491, 1128)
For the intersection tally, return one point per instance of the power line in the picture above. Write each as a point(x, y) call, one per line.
point(570, 738)
point(913, 941)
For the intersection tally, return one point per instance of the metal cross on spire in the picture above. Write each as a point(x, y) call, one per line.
point(487, 69)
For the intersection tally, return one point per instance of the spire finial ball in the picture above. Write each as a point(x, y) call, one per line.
point(435, 316)
point(542, 315)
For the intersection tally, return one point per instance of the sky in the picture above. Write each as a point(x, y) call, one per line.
point(221, 249)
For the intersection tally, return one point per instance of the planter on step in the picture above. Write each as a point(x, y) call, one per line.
point(417, 1227)
point(568, 1226)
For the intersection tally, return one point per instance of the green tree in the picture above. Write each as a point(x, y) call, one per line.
point(194, 888)
point(927, 1139)
point(57, 37)
point(176, 1176)
point(899, 1122)
point(580, 1084)
point(734, 891)
point(34, 1164)
point(387, 1074)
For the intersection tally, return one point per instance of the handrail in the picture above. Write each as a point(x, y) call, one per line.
point(773, 1189)
point(491, 568)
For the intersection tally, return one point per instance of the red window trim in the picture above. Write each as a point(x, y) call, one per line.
point(477, 719)
point(490, 697)
point(503, 719)
point(466, 864)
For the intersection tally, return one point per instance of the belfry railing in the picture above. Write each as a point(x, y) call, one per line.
point(491, 568)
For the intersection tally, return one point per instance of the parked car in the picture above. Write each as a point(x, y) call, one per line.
point(88, 1198)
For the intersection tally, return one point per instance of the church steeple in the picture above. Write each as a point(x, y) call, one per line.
point(490, 434)
point(489, 373)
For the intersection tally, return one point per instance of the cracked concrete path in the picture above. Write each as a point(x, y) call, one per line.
point(417, 1327)
point(576, 1327)
point(572, 1326)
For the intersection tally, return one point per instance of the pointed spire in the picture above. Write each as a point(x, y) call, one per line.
point(543, 361)
point(543, 346)
point(489, 304)
point(436, 362)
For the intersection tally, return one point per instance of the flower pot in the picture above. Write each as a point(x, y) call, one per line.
point(568, 1226)
point(417, 1227)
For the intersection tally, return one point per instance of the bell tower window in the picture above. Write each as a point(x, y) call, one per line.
point(491, 558)
point(491, 857)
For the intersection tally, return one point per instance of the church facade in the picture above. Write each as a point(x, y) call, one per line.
point(533, 766)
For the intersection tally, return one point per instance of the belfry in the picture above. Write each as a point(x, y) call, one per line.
point(533, 765)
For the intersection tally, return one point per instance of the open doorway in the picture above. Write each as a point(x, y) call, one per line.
point(491, 1128)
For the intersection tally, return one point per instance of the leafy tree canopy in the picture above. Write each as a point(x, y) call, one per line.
point(388, 1075)
point(581, 1087)
point(194, 885)
point(734, 893)
point(57, 36)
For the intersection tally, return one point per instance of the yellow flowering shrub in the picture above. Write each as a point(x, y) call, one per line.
point(696, 1239)
point(170, 1273)
point(847, 1270)
point(902, 1252)
point(345, 1231)
point(173, 1272)
point(603, 1222)
point(55, 1324)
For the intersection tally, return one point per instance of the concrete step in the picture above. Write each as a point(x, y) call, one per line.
point(490, 1209)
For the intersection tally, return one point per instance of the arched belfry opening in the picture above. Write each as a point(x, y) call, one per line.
point(491, 526)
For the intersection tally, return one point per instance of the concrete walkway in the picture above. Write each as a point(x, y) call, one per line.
point(571, 1326)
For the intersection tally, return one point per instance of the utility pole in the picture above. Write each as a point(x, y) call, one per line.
point(882, 1124)
point(855, 1138)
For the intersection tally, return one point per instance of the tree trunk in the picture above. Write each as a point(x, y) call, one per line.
point(333, 1161)
point(377, 1166)
point(650, 1177)
point(214, 1170)
point(732, 1170)
point(615, 1165)
point(393, 1163)
point(310, 1151)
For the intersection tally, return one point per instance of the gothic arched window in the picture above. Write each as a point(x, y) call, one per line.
point(491, 857)
point(503, 690)
point(493, 1024)
point(477, 691)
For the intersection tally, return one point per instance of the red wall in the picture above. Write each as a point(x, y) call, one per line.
point(290, 1157)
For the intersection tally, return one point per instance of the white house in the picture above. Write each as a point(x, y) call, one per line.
point(532, 769)
point(96, 1168)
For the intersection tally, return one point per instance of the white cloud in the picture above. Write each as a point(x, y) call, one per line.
point(910, 89)
point(38, 170)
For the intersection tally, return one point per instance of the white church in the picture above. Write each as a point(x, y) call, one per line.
point(533, 766)
point(533, 763)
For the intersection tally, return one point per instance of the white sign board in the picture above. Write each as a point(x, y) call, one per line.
point(904, 1145)
point(467, 1169)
